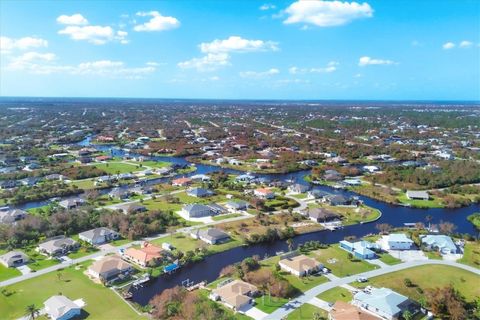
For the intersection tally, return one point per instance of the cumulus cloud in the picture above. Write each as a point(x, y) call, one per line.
point(45, 63)
point(465, 44)
point(217, 53)
point(157, 22)
point(326, 13)
point(209, 62)
point(259, 75)
point(366, 61)
point(267, 6)
point(237, 44)
point(76, 19)
point(331, 67)
point(77, 29)
point(448, 45)
point(8, 44)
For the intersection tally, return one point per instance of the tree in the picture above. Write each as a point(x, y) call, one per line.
point(290, 244)
point(32, 311)
point(384, 228)
point(428, 218)
point(446, 227)
point(407, 315)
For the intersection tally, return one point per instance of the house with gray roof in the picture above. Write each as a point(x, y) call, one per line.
point(98, 236)
point(237, 205)
point(399, 241)
point(384, 303)
point(197, 210)
point(211, 235)
point(360, 249)
point(298, 188)
point(417, 195)
point(62, 308)
point(199, 192)
point(11, 216)
point(58, 246)
point(443, 244)
point(13, 259)
point(71, 203)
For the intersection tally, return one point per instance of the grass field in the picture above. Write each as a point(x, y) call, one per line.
point(101, 303)
point(307, 312)
point(336, 294)
point(343, 266)
point(433, 203)
point(388, 259)
point(226, 216)
point(438, 276)
point(8, 273)
point(471, 254)
point(351, 215)
point(269, 304)
point(117, 167)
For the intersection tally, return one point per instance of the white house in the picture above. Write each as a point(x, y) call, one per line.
point(300, 265)
point(399, 241)
point(62, 308)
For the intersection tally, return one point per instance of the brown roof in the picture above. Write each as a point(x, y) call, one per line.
point(301, 263)
point(345, 311)
point(146, 253)
point(235, 293)
point(109, 263)
point(181, 181)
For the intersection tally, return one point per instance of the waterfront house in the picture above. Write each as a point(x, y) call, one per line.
point(321, 215)
point(417, 195)
point(399, 241)
point(236, 294)
point(298, 188)
point(180, 182)
point(210, 235)
point(71, 203)
point(443, 244)
point(360, 249)
point(98, 236)
point(146, 255)
point(264, 193)
point(300, 265)
point(109, 268)
point(384, 302)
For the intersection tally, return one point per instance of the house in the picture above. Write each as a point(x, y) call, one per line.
point(360, 249)
point(399, 241)
point(237, 205)
point(62, 308)
point(300, 265)
point(71, 203)
point(109, 268)
point(58, 246)
point(264, 193)
point(200, 177)
point(98, 236)
point(443, 244)
point(180, 182)
point(345, 311)
point(236, 294)
point(199, 192)
point(13, 259)
point(317, 194)
point(321, 214)
point(384, 303)
point(120, 193)
point(417, 195)
point(145, 255)
point(10, 216)
point(128, 208)
point(370, 169)
point(200, 210)
point(338, 200)
point(332, 175)
point(244, 178)
point(210, 235)
point(298, 188)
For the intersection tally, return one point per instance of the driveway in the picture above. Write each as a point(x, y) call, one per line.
point(254, 313)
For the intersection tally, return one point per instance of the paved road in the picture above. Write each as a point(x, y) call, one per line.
point(283, 311)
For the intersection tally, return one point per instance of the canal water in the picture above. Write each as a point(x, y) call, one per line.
point(209, 268)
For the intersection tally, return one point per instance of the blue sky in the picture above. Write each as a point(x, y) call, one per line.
point(242, 49)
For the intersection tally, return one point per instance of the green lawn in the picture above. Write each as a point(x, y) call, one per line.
point(101, 303)
point(269, 304)
point(117, 167)
point(151, 164)
point(38, 261)
point(432, 203)
point(7, 273)
point(389, 259)
point(438, 276)
point(226, 216)
point(180, 241)
point(307, 312)
point(120, 242)
point(471, 254)
point(336, 294)
point(343, 266)
point(433, 255)
point(81, 252)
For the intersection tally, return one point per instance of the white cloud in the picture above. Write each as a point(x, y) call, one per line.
point(237, 44)
point(8, 44)
point(448, 45)
point(326, 13)
point(331, 67)
point(465, 44)
point(157, 22)
point(366, 61)
point(209, 62)
point(76, 19)
point(259, 75)
point(267, 6)
point(92, 34)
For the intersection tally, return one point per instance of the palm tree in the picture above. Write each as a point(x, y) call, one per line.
point(290, 244)
point(32, 311)
point(428, 218)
